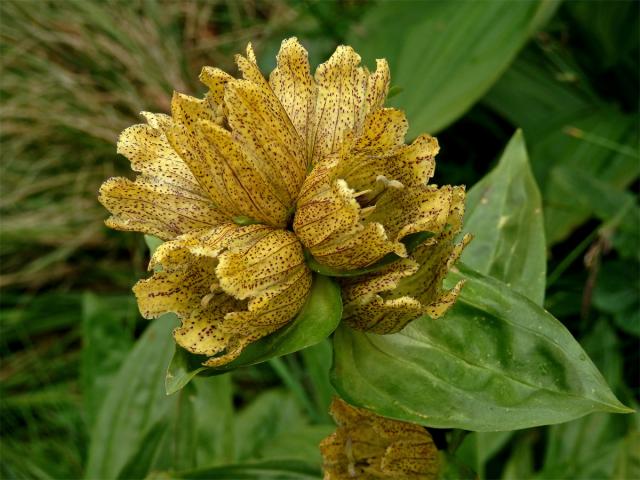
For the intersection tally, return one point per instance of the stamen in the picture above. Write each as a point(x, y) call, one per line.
point(389, 183)
point(206, 299)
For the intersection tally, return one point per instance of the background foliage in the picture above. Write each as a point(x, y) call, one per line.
point(76, 72)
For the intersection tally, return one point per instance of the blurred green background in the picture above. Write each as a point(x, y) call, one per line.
point(76, 73)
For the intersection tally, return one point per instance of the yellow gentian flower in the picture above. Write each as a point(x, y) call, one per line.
point(367, 446)
point(262, 178)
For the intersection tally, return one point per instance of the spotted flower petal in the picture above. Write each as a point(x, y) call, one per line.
point(347, 92)
point(225, 168)
point(408, 165)
point(261, 124)
point(294, 87)
point(405, 211)
point(365, 307)
point(385, 301)
point(230, 286)
point(368, 446)
point(216, 80)
point(358, 204)
point(165, 200)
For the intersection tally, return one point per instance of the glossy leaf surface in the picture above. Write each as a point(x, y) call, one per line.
point(495, 362)
point(504, 214)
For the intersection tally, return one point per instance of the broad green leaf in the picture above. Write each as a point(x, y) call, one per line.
point(531, 93)
point(600, 464)
point(504, 215)
point(318, 318)
point(181, 448)
point(445, 54)
point(150, 431)
point(267, 470)
point(563, 199)
point(495, 362)
point(108, 323)
point(135, 401)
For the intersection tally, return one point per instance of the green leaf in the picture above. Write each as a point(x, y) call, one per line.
point(298, 443)
point(199, 429)
point(571, 452)
point(606, 27)
point(453, 469)
point(478, 448)
point(140, 462)
point(108, 323)
point(271, 414)
point(183, 368)
point(520, 463)
point(181, 449)
point(567, 127)
point(627, 463)
point(135, 401)
point(617, 292)
point(504, 214)
point(317, 362)
point(445, 54)
point(267, 470)
point(565, 208)
point(317, 319)
point(214, 420)
point(495, 362)
point(617, 209)
point(141, 429)
point(291, 378)
point(536, 97)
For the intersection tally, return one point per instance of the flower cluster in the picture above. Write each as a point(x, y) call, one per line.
point(263, 178)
